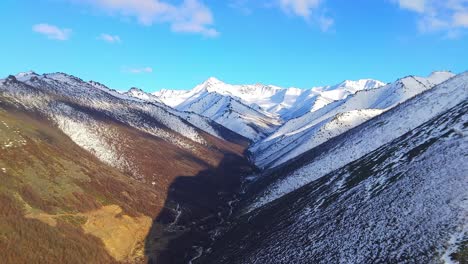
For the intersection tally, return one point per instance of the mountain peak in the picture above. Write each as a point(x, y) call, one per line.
point(361, 83)
point(213, 80)
point(23, 76)
point(10, 79)
point(98, 84)
point(446, 74)
point(206, 85)
point(26, 73)
point(136, 89)
point(210, 82)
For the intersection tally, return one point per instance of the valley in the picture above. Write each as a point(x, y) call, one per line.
point(356, 172)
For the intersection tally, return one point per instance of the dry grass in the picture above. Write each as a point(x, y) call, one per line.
point(60, 204)
point(121, 234)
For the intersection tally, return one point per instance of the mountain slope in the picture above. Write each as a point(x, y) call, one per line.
point(233, 114)
point(301, 134)
point(96, 95)
point(212, 100)
point(88, 170)
point(285, 103)
point(140, 94)
point(361, 140)
point(404, 202)
point(255, 111)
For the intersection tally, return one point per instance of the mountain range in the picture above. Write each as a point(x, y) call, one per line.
point(357, 172)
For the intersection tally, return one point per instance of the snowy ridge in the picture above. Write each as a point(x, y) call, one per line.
point(284, 102)
point(140, 94)
point(255, 111)
point(405, 202)
point(369, 136)
point(202, 122)
point(298, 135)
point(233, 114)
point(90, 135)
point(36, 92)
point(98, 119)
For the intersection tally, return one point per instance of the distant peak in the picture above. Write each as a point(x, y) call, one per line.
point(135, 89)
point(212, 81)
point(25, 76)
point(10, 79)
point(360, 81)
point(27, 73)
point(208, 84)
point(438, 73)
point(98, 84)
point(63, 77)
point(361, 84)
point(441, 71)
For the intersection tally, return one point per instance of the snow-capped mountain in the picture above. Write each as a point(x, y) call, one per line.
point(214, 99)
point(404, 202)
point(88, 169)
point(335, 153)
point(358, 172)
point(233, 114)
point(70, 102)
point(255, 111)
point(284, 102)
point(390, 190)
point(305, 132)
point(98, 95)
point(140, 94)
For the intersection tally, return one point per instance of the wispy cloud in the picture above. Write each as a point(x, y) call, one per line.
point(311, 11)
point(240, 5)
point(414, 5)
point(190, 16)
point(138, 70)
point(109, 38)
point(52, 32)
point(460, 19)
point(301, 8)
point(448, 16)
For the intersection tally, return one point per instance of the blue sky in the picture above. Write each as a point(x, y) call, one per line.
point(154, 44)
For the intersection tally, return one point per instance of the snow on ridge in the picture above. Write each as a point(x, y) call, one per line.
point(233, 114)
point(140, 94)
point(270, 98)
point(61, 86)
point(372, 135)
point(91, 136)
point(298, 131)
point(405, 207)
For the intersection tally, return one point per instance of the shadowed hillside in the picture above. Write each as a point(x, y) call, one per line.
point(194, 206)
point(65, 199)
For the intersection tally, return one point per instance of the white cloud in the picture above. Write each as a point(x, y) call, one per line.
point(414, 5)
point(109, 38)
point(460, 19)
point(241, 6)
point(309, 10)
point(448, 16)
point(139, 70)
point(190, 16)
point(301, 8)
point(325, 23)
point(52, 32)
point(312, 11)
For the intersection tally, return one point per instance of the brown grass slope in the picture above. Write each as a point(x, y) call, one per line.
point(61, 204)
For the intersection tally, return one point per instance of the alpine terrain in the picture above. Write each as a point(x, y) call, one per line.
point(357, 172)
